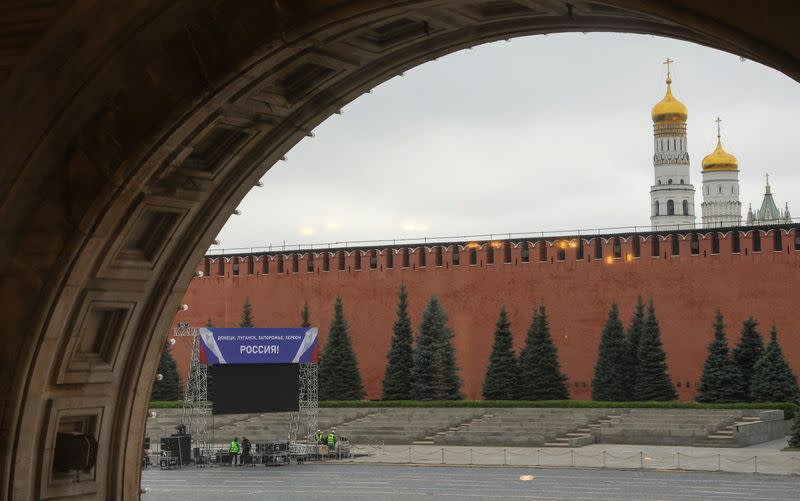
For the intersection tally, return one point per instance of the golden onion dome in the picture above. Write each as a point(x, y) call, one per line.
point(669, 109)
point(720, 159)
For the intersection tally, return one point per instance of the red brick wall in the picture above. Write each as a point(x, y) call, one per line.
point(687, 289)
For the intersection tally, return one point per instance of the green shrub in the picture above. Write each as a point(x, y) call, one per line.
point(166, 404)
point(787, 407)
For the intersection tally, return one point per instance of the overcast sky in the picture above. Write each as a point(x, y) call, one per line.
point(537, 134)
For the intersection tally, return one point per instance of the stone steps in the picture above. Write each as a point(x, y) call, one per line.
point(526, 427)
point(677, 427)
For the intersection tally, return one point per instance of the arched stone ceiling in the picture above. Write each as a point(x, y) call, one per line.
point(131, 130)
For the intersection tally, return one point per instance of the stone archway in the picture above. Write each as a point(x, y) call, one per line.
point(131, 132)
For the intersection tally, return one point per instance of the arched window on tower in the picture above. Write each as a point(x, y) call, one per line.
point(669, 181)
point(685, 207)
point(720, 189)
point(681, 181)
point(657, 208)
point(659, 181)
point(670, 208)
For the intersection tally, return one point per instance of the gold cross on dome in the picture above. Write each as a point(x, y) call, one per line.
point(668, 62)
point(718, 120)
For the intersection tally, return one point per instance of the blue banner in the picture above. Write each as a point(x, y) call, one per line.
point(258, 346)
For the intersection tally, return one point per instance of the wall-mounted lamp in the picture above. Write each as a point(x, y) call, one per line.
point(183, 307)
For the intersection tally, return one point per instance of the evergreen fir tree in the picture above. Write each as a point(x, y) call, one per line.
point(612, 371)
point(748, 351)
point(633, 336)
point(652, 380)
point(721, 381)
point(305, 316)
point(502, 375)
point(397, 380)
point(794, 438)
point(435, 373)
point(247, 314)
point(169, 388)
point(773, 379)
point(451, 382)
point(339, 378)
point(540, 371)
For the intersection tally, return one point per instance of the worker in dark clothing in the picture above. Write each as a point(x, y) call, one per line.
point(246, 446)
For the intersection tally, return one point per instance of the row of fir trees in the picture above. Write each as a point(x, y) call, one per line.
point(427, 372)
point(536, 375)
point(631, 363)
point(751, 372)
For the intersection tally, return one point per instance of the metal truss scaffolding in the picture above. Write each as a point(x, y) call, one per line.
point(197, 415)
point(304, 422)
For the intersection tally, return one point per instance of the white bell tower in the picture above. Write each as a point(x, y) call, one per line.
point(672, 193)
point(721, 205)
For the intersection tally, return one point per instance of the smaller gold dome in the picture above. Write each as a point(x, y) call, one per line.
point(720, 159)
point(669, 109)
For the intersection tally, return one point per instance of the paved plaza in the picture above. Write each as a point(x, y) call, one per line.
point(391, 482)
point(762, 458)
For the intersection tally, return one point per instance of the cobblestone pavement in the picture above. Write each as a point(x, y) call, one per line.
point(335, 481)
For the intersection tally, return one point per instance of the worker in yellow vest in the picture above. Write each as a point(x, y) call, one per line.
point(234, 450)
point(332, 440)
